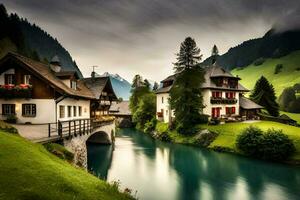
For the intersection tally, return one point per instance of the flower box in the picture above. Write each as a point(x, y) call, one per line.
point(15, 91)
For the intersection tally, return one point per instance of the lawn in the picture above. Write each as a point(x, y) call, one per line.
point(288, 77)
point(228, 133)
point(29, 171)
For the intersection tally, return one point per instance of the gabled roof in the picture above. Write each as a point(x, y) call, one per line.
point(212, 71)
point(247, 104)
point(97, 85)
point(44, 72)
point(120, 108)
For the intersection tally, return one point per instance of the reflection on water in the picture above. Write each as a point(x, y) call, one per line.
point(170, 171)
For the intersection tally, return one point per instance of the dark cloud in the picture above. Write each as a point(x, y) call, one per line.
point(141, 36)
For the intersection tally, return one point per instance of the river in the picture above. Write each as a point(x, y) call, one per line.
point(162, 171)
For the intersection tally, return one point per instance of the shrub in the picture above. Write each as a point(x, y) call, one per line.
point(150, 126)
point(250, 140)
point(204, 119)
point(278, 68)
point(259, 61)
point(164, 136)
point(276, 145)
point(11, 119)
point(273, 145)
point(205, 138)
point(60, 151)
point(222, 149)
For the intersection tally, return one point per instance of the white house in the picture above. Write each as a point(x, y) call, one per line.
point(39, 93)
point(222, 96)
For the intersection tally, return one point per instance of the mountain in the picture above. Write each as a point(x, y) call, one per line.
point(273, 44)
point(287, 76)
point(121, 86)
point(19, 35)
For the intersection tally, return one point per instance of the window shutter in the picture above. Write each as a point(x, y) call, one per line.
point(13, 109)
point(34, 109)
point(233, 110)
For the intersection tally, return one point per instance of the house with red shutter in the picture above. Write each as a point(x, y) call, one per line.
point(223, 97)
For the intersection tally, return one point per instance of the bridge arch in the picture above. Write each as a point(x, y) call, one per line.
point(99, 137)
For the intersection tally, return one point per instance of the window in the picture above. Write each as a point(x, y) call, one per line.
point(8, 109)
point(230, 110)
point(74, 111)
point(27, 79)
point(61, 111)
point(74, 85)
point(69, 111)
point(230, 95)
point(216, 94)
point(28, 110)
point(162, 99)
point(79, 111)
point(167, 112)
point(9, 79)
point(215, 112)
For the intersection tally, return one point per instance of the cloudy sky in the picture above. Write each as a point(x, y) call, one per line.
point(131, 37)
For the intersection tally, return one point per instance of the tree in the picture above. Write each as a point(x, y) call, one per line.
point(146, 110)
point(287, 96)
point(188, 56)
point(138, 89)
point(155, 86)
point(214, 53)
point(147, 84)
point(186, 94)
point(278, 68)
point(264, 95)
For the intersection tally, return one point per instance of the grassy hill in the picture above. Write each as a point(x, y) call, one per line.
point(289, 75)
point(29, 171)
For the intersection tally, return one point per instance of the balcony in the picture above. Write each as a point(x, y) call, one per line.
point(15, 91)
point(223, 101)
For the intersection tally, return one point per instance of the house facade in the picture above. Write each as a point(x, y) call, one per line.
point(221, 96)
point(38, 93)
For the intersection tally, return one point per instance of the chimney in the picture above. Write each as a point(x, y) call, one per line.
point(55, 64)
point(93, 75)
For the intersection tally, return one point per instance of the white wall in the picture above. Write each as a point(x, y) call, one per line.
point(207, 94)
point(45, 110)
point(2, 79)
point(163, 105)
point(85, 104)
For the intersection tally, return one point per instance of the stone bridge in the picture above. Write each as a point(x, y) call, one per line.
point(102, 134)
point(74, 135)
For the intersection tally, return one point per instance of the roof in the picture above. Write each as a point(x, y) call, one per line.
point(210, 72)
point(247, 104)
point(44, 72)
point(66, 74)
point(284, 116)
point(97, 85)
point(120, 108)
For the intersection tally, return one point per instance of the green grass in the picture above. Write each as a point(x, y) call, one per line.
point(227, 134)
point(294, 116)
point(288, 77)
point(29, 171)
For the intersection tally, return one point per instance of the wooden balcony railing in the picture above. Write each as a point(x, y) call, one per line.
point(223, 101)
point(15, 91)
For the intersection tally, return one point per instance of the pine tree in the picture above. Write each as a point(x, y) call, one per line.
point(214, 53)
point(147, 84)
point(186, 94)
point(138, 89)
point(188, 56)
point(264, 95)
point(155, 86)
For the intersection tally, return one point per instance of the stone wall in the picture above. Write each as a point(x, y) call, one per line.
point(77, 145)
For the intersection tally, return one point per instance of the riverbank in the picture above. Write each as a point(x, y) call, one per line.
point(227, 134)
point(29, 171)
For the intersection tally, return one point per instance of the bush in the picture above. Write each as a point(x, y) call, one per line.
point(204, 119)
point(278, 68)
point(276, 145)
point(11, 119)
point(164, 136)
point(273, 145)
point(150, 126)
point(60, 151)
point(250, 140)
point(259, 61)
point(205, 138)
